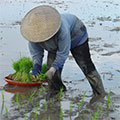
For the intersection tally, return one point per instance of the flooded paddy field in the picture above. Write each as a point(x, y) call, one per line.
point(102, 20)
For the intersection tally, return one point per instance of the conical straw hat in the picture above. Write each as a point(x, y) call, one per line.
point(40, 23)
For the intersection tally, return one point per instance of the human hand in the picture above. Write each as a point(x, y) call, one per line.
point(36, 69)
point(50, 73)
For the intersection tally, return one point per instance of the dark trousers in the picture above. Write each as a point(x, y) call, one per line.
point(82, 57)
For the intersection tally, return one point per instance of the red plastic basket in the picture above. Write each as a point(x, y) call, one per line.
point(23, 83)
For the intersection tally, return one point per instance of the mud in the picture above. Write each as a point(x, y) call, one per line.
point(102, 20)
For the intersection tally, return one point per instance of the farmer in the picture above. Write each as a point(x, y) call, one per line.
point(46, 29)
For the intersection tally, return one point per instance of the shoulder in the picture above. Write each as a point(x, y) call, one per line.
point(67, 16)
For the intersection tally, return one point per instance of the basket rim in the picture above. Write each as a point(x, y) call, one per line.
point(22, 83)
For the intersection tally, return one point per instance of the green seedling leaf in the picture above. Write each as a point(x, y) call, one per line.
point(42, 76)
point(2, 95)
point(71, 106)
point(82, 100)
point(6, 110)
point(40, 91)
point(17, 100)
point(35, 115)
point(51, 101)
point(60, 94)
point(22, 68)
point(31, 96)
point(25, 117)
point(44, 68)
point(109, 100)
point(61, 114)
point(46, 106)
point(49, 118)
point(97, 113)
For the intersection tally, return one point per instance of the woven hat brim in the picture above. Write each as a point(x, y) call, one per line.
point(40, 24)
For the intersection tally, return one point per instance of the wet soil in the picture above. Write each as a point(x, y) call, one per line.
point(102, 20)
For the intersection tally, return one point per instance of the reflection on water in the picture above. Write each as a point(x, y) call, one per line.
point(101, 19)
point(33, 103)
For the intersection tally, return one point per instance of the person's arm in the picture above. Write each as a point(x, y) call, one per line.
point(37, 54)
point(64, 43)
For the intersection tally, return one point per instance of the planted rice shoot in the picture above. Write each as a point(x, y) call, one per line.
point(6, 111)
point(25, 117)
point(97, 113)
point(109, 100)
point(61, 114)
point(3, 100)
point(60, 94)
point(31, 96)
point(49, 118)
point(40, 91)
point(45, 105)
point(82, 100)
point(17, 100)
point(2, 95)
point(35, 115)
point(51, 101)
point(71, 107)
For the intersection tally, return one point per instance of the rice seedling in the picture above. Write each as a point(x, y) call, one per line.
point(42, 74)
point(71, 107)
point(22, 68)
point(49, 118)
point(35, 115)
point(40, 91)
point(45, 105)
point(90, 118)
point(61, 114)
point(17, 100)
point(51, 101)
point(31, 96)
point(82, 100)
point(6, 111)
point(109, 100)
point(96, 115)
point(44, 68)
point(3, 100)
point(2, 95)
point(60, 94)
point(25, 117)
point(43, 88)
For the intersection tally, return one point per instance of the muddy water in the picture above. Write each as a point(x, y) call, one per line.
point(102, 20)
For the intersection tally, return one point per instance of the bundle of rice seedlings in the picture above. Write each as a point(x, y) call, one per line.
point(22, 68)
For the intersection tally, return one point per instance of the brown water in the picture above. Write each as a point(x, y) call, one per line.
point(102, 20)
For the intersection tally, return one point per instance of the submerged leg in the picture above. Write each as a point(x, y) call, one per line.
point(55, 83)
point(82, 57)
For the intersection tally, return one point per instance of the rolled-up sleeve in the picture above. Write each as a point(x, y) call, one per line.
point(36, 52)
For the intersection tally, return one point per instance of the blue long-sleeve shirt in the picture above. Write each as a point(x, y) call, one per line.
point(72, 33)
